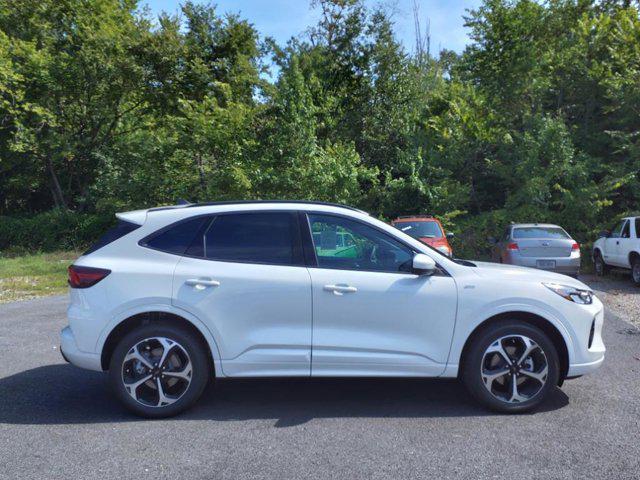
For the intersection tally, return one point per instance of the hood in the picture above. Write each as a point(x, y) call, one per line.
point(514, 272)
point(434, 242)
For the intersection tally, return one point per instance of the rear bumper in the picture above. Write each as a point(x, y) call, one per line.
point(72, 354)
point(566, 265)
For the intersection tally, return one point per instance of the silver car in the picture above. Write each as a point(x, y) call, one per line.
point(538, 245)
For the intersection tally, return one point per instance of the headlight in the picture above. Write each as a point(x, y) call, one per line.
point(576, 295)
point(444, 249)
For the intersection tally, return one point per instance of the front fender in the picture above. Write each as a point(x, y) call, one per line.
point(471, 318)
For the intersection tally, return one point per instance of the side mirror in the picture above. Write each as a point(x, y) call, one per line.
point(492, 240)
point(423, 264)
point(604, 234)
point(450, 235)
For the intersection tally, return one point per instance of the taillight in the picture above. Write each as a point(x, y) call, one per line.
point(85, 277)
point(575, 246)
point(512, 246)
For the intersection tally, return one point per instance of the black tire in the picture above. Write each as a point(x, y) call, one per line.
point(600, 266)
point(635, 270)
point(199, 377)
point(473, 366)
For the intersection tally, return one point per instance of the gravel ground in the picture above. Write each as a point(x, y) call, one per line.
point(60, 422)
point(617, 292)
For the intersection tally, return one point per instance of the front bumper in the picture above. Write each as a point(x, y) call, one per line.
point(72, 354)
point(580, 369)
point(589, 351)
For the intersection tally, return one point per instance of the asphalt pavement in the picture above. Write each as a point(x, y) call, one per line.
point(58, 421)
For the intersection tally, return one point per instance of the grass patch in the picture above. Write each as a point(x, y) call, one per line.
point(36, 275)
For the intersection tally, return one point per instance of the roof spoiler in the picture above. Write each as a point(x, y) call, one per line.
point(135, 216)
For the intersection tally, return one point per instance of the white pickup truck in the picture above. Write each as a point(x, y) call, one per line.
point(619, 248)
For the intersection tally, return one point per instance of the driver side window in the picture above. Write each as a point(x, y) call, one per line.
point(344, 244)
point(617, 231)
point(626, 231)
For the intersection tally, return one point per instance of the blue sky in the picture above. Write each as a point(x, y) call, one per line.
point(283, 19)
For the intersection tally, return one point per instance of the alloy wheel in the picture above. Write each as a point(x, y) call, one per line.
point(157, 371)
point(514, 369)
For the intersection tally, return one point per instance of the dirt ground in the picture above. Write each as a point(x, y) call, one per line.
point(617, 292)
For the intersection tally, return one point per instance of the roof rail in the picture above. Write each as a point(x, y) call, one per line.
point(420, 215)
point(243, 202)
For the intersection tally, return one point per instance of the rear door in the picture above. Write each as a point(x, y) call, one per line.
point(245, 277)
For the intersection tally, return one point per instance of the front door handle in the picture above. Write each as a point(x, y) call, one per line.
point(340, 289)
point(202, 283)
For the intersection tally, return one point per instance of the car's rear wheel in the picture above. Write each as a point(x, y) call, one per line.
point(635, 270)
point(511, 367)
point(600, 266)
point(159, 370)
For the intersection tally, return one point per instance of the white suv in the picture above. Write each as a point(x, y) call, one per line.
point(619, 247)
point(174, 296)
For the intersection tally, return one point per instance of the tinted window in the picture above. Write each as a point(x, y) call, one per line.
point(177, 238)
point(617, 230)
point(420, 229)
point(349, 245)
point(113, 234)
point(539, 232)
point(625, 230)
point(638, 227)
point(270, 237)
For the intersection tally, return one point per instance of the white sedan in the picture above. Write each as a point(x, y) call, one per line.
point(173, 296)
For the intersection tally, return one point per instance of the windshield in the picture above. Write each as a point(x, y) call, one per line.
point(540, 232)
point(420, 229)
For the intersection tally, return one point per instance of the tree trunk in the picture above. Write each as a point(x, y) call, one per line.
point(56, 190)
point(201, 176)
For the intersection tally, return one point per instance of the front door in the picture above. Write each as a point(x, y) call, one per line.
point(246, 279)
point(624, 246)
point(612, 245)
point(371, 314)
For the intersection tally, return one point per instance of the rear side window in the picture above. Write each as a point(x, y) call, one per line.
point(113, 234)
point(269, 237)
point(539, 232)
point(177, 237)
point(638, 227)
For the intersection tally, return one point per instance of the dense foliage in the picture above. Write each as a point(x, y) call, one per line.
point(103, 108)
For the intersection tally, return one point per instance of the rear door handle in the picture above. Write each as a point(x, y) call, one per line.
point(340, 289)
point(202, 283)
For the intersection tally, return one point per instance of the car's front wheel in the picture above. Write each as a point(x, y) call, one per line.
point(598, 262)
point(511, 367)
point(159, 370)
point(635, 270)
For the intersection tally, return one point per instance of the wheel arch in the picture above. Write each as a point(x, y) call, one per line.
point(133, 321)
point(533, 319)
point(633, 255)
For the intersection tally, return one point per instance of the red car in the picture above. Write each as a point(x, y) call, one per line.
point(427, 229)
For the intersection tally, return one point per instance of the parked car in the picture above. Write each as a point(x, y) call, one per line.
point(619, 247)
point(538, 245)
point(173, 296)
point(426, 229)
